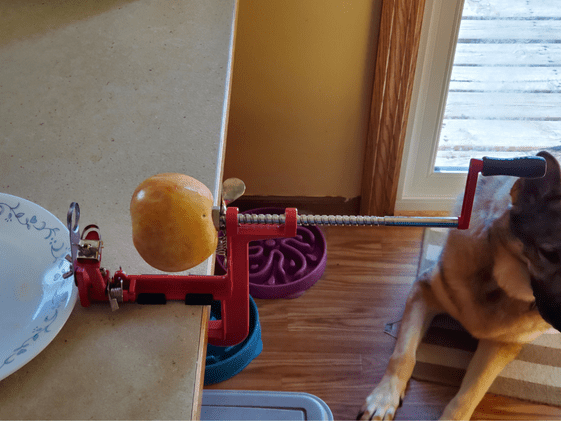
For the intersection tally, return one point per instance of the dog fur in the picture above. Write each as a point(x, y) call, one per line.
point(500, 279)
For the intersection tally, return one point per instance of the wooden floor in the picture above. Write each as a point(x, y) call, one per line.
point(330, 342)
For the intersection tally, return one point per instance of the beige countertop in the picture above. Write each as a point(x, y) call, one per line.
point(96, 96)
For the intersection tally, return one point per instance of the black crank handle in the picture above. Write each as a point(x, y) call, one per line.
point(527, 166)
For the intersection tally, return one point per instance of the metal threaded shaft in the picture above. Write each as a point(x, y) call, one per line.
point(351, 220)
point(340, 220)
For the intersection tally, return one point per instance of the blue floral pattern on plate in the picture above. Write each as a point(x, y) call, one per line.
point(14, 215)
point(32, 242)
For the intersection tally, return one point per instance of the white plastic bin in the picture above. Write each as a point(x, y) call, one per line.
point(258, 405)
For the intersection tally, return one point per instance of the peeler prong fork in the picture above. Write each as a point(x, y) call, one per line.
point(72, 219)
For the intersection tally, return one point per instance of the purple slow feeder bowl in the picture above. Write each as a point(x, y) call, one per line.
point(285, 267)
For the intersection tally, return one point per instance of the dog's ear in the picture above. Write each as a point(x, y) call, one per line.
point(515, 190)
point(533, 190)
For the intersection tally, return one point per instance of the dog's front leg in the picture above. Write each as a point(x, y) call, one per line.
point(420, 309)
point(488, 361)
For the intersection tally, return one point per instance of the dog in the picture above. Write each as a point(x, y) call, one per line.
point(501, 279)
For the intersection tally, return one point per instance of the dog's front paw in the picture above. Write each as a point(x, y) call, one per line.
point(382, 403)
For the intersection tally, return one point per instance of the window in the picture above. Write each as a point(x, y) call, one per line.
point(488, 83)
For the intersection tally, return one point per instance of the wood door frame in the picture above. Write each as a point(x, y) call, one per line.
point(396, 60)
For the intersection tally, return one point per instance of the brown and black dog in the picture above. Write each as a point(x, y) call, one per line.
point(501, 279)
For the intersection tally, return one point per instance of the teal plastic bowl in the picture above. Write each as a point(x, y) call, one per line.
point(224, 362)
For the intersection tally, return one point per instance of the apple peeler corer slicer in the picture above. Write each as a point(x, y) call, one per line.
point(95, 284)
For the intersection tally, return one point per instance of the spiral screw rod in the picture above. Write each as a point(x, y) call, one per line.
point(351, 220)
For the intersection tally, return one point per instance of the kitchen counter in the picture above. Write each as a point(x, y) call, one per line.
point(95, 97)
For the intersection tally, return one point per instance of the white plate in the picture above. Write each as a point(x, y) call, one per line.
point(35, 300)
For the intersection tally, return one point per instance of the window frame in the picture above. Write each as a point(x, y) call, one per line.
point(396, 59)
point(420, 188)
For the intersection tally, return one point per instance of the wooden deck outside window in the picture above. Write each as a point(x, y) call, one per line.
point(504, 97)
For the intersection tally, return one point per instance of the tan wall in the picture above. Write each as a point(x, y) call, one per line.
point(302, 84)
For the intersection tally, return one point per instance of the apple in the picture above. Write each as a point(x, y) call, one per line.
point(172, 226)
